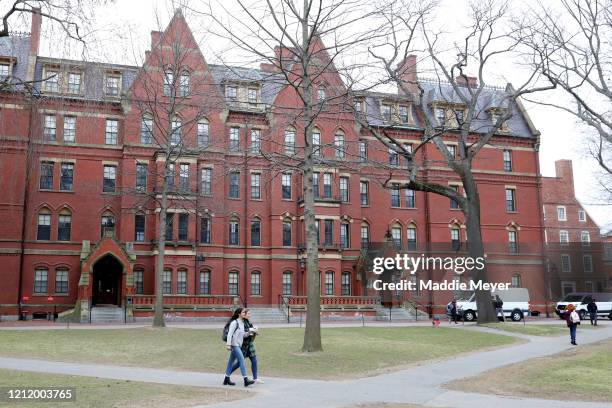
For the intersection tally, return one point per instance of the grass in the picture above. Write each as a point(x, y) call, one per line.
point(536, 329)
point(101, 393)
point(349, 352)
point(581, 373)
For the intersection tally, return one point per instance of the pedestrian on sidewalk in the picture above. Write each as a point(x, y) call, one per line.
point(499, 307)
point(592, 309)
point(235, 338)
point(573, 320)
point(452, 309)
point(248, 346)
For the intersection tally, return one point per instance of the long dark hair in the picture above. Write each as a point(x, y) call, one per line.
point(236, 314)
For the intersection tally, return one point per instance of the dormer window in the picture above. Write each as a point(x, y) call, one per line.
point(403, 114)
point(358, 105)
point(113, 85)
point(495, 115)
point(441, 116)
point(231, 92)
point(459, 115)
point(51, 80)
point(74, 82)
point(5, 69)
point(252, 95)
point(387, 111)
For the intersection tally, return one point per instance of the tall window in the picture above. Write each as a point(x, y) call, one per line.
point(587, 263)
point(255, 141)
point(411, 238)
point(66, 176)
point(113, 85)
point(327, 185)
point(146, 130)
point(139, 227)
point(74, 82)
point(169, 226)
point(339, 145)
point(167, 282)
point(363, 192)
point(168, 82)
point(510, 200)
point(566, 265)
point(64, 224)
point(205, 227)
point(410, 202)
point(184, 83)
point(139, 281)
point(181, 282)
point(561, 215)
point(329, 232)
point(346, 284)
point(396, 235)
point(234, 188)
point(507, 160)
point(395, 196)
point(290, 142)
point(51, 81)
point(455, 238)
point(287, 233)
point(344, 235)
point(287, 284)
point(315, 185)
point(112, 129)
point(231, 92)
point(563, 237)
point(365, 236)
point(41, 282)
point(61, 281)
point(107, 225)
point(183, 227)
point(403, 114)
point(321, 94)
point(255, 283)
point(363, 151)
point(110, 177)
point(516, 281)
point(286, 185)
point(387, 112)
point(69, 129)
point(176, 131)
point(512, 242)
point(316, 143)
point(205, 283)
point(170, 175)
point(344, 189)
point(232, 283)
point(393, 157)
point(234, 237)
point(585, 238)
point(329, 283)
point(206, 181)
point(203, 135)
point(46, 175)
point(581, 216)
point(141, 177)
point(49, 129)
point(440, 116)
point(184, 176)
point(234, 139)
point(255, 186)
point(256, 232)
point(44, 227)
point(252, 95)
point(454, 204)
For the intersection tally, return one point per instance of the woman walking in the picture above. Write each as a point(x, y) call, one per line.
point(248, 346)
point(235, 336)
point(573, 320)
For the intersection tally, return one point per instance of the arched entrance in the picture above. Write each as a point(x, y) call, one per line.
point(106, 288)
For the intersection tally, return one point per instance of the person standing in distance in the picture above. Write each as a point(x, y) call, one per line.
point(592, 309)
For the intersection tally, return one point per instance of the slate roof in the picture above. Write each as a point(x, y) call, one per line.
point(17, 47)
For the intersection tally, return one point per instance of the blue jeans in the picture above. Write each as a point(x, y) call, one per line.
point(235, 357)
point(573, 332)
point(253, 366)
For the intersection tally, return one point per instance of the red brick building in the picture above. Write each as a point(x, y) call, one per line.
point(577, 250)
point(78, 154)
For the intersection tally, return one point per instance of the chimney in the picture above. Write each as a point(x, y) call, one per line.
point(470, 81)
point(155, 36)
point(34, 43)
point(407, 74)
point(564, 171)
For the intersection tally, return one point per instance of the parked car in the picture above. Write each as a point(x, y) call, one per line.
point(516, 304)
point(582, 299)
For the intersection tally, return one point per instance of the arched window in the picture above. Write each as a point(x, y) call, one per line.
point(290, 141)
point(512, 240)
point(41, 280)
point(455, 237)
point(329, 283)
point(516, 280)
point(146, 129)
point(287, 283)
point(234, 231)
point(205, 282)
point(287, 232)
point(232, 287)
point(107, 224)
point(346, 284)
point(256, 283)
point(181, 282)
point(139, 281)
point(411, 237)
point(396, 235)
point(316, 143)
point(255, 232)
point(184, 83)
point(203, 134)
point(44, 225)
point(339, 145)
point(167, 281)
point(365, 235)
point(168, 82)
point(64, 224)
point(205, 229)
point(345, 235)
point(175, 137)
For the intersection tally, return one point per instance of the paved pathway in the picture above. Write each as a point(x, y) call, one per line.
point(419, 385)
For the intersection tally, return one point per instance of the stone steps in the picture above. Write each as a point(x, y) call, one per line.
point(107, 314)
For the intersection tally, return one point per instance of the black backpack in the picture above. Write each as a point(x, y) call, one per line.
point(226, 331)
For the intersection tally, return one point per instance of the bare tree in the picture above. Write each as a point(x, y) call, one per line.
point(450, 104)
point(570, 45)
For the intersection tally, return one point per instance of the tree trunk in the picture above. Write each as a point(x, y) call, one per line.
point(158, 318)
point(486, 312)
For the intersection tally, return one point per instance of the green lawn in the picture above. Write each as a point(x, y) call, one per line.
point(349, 352)
point(101, 393)
point(581, 373)
point(537, 329)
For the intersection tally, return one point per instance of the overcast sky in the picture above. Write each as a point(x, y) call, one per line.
point(122, 33)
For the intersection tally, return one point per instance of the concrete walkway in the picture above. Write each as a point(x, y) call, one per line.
point(418, 385)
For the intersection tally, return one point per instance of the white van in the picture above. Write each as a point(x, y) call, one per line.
point(581, 299)
point(516, 304)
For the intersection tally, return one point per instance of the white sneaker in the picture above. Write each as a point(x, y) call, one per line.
point(259, 381)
